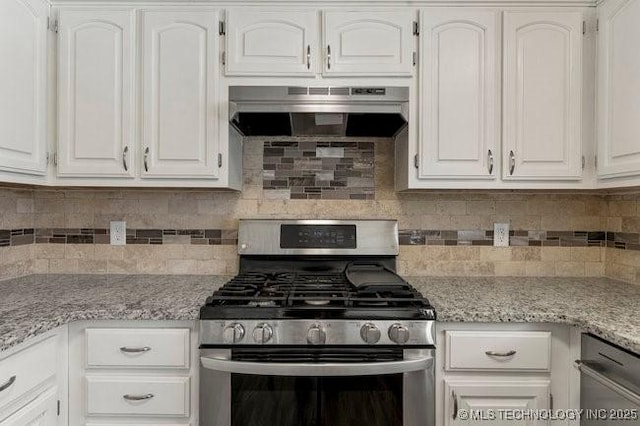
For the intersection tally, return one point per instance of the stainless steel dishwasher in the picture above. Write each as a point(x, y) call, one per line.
point(609, 384)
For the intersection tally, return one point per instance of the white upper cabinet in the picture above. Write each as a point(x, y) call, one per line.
point(542, 95)
point(271, 42)
point(180, 84)
point(618, 93)
point(368, 43)
point(96, 92)
point(459, 103)
point(23, 76)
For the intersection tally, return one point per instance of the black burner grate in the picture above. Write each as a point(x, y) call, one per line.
point(312, 291)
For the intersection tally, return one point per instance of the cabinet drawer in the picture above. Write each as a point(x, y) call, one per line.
point(24, 370)
point(138, 348)
point(498, 350)
point(147, 396)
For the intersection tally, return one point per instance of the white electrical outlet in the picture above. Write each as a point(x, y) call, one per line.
point(118, 233)
point(501, 234)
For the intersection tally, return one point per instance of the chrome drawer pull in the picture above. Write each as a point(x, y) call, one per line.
point(137, 397)
point(308, 56)
point(9, 383)
point(500, 354)
point(134, 350)
point(329, 57)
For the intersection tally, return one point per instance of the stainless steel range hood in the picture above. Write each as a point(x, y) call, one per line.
point(318, 111)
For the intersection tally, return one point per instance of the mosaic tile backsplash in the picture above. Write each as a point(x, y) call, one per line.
point(48, 230)
point(319, 170)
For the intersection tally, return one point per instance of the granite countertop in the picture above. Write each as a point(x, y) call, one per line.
point(35, 304)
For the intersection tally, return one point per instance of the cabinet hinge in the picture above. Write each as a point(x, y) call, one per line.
point(416, 28)
point(597, 25)
point(583, 162)
point(224, 58)
point(52, 25)
point(415, 58)
point(550, 401)
point(219, 160)
point(595, 161)
point(52, 158)
point(221, 28)
point(416, 162)
point(584, 27)
point(58, 407)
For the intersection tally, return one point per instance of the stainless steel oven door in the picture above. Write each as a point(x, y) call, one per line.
point(317, 394)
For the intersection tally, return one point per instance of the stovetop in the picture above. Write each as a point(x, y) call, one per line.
point(317, 282)
point(315, 295)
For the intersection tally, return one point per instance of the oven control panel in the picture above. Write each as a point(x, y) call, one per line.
point(317, 236)
point(316, 332)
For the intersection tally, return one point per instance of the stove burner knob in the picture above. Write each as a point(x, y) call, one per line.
point(398, 333)
point(370, 333)
point(233, 333)
point(316, 335)
point(262, 333)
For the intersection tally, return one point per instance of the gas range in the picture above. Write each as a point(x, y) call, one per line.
point(320, 283)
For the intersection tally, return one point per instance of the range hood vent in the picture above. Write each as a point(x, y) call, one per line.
point(318, 111)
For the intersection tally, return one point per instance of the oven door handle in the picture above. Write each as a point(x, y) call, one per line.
point(316, 369)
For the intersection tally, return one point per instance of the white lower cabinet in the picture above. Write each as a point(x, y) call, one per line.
point(471, 402)
point(43, 411)
point(133, 373)
point(495, 374)
point(33, 381)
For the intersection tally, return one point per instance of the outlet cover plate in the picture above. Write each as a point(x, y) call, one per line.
point(501, 234)
point(118, 233)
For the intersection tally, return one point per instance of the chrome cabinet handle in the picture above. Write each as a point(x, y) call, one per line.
point(137, 397)
point(490, 161)
point(512, 162)
point(9, 383)
point(125, 152)
point(308, 56)
point(146, 157)
point(455, 405)
point(501, 354)
point(329, 56)
point(134, 350)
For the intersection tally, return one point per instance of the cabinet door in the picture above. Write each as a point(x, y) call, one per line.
point(542, 95)
point(477, 402)
point(180, 85)
point(618, 106)
point(271, 42)
point(43, 411)
point(96, 93)
point(23, 100)
point(368, 43)
point(458, 123)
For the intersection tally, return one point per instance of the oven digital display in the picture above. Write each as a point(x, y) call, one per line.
point(318, 236)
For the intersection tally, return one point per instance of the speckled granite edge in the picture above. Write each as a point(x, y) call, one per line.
point(21, 335)
point(604, 307)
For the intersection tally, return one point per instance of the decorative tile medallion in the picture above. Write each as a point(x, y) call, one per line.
point(319, 170)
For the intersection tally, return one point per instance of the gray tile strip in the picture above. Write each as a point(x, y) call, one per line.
point(411, 237)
